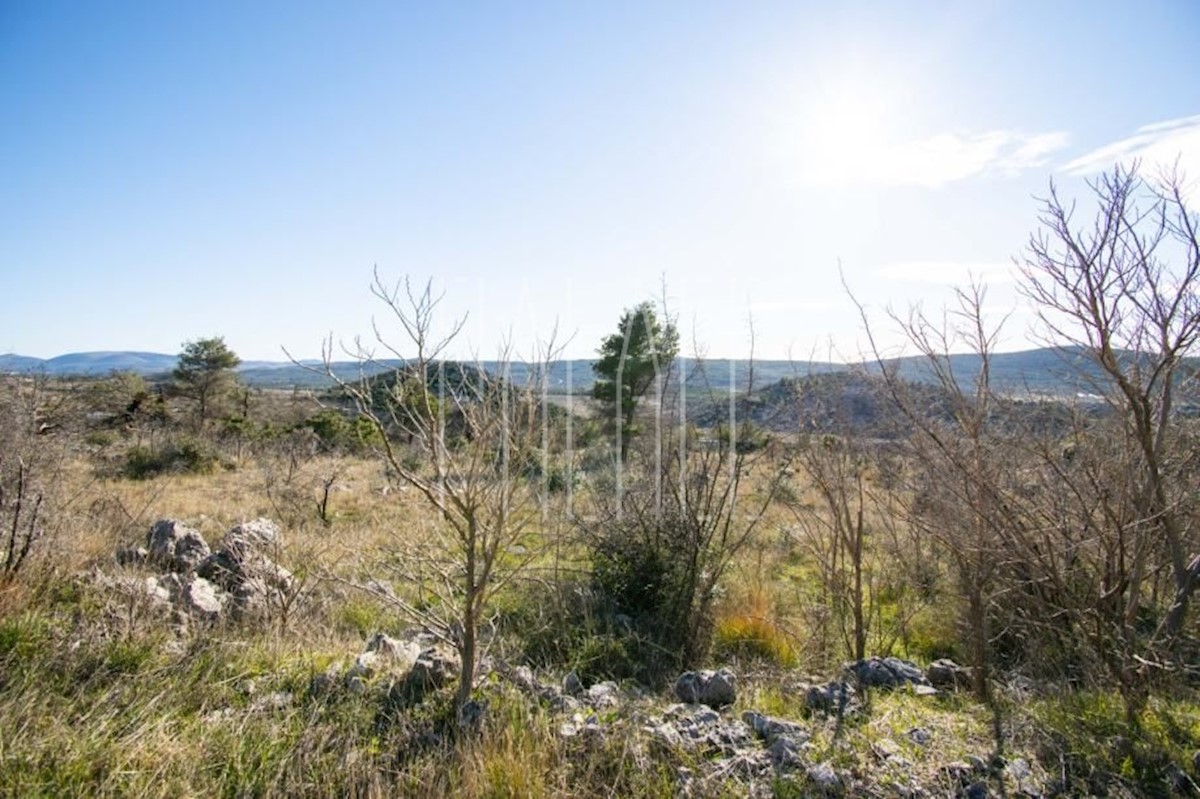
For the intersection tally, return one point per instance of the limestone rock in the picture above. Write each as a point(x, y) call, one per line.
point(833, 697)
point(948, 675)
point(176, 546)
point(261, 534)
point(824, 779)
point(202, 599)
point(886, 673)
point(770, 729)
point(715, 689)
point(241, 567)
point(572, 685)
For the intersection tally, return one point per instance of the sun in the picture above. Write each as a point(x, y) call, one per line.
point(846, 130)
point(848, 120)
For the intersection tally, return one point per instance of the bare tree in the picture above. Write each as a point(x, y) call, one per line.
point(836, 531)
point(959, 472)
point(1124, 291)
point(464, 439)
point(33, 457)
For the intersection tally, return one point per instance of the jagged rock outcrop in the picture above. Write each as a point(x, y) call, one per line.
point(175, 546)
point(713, 688)
point(888, 672)
point(241, 578)
point(243, 567)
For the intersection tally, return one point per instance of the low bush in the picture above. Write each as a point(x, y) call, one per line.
point(185, 456)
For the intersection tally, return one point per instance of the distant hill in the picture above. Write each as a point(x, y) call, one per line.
point(1048, 372)
point(859, 402)
point(10, 362)
point(91, 363)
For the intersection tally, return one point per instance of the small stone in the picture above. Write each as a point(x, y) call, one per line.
point(888, 672)
point(431, 670)
point(688, 686)
point(1019, 769)
point(977, 764)
point(957, 772)
point(603, 694)
point(667, 734)
point(977, 790)
point(834, 697)
point(824, 778)
point(398, 653)
point(886, 749)
point(769, 728)
point(921, 736)
point(278, 700)
point(572, 685)
point(522, 677)
point(720, 689)
point(366, 665)
point(159, 594)
point(785, 753)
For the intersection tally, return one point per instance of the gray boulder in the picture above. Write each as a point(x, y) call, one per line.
point(833, 697)
point(948, 675)
point(202, 599)
point(432, 669)
point(261, 535)
point(824, 780)
point(700, 728)
point(785, 754)
point(602, 694)
point(572, 685)
point(886, 672)
point(770, 729)
point(175, 546)
point(242, 568)
point(715, 689)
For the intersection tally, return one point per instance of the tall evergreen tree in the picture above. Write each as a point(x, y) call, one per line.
point(642, 350)
point(205, 374)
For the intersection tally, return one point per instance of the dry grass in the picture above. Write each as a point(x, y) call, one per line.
point(100, 700)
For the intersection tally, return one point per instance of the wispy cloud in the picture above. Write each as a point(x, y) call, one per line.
point(934, 161)
point(1157, 146)
point(949, 273)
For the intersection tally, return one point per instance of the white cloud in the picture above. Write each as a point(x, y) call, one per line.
point(1158, 147)
point(949, 273)
point(931, 162)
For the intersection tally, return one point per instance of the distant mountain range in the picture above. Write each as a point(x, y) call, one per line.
point(1045, 372)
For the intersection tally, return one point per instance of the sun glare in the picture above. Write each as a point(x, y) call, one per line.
point(846, 130)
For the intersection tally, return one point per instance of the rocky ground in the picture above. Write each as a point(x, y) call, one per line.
point(879, 727)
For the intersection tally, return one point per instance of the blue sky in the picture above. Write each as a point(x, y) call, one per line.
point(176, 170)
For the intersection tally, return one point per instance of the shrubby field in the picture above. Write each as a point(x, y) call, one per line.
point(434, 581)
